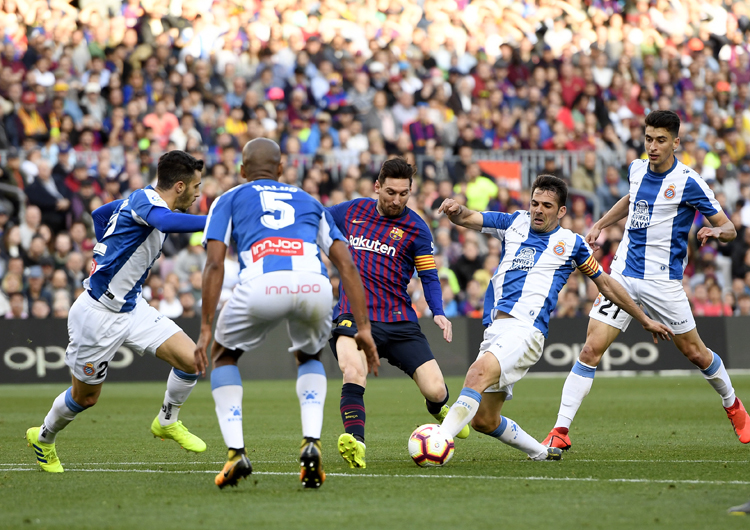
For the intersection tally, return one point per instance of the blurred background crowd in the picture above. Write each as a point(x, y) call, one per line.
point(92, 93)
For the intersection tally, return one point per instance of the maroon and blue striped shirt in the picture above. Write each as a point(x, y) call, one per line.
point(386, 251)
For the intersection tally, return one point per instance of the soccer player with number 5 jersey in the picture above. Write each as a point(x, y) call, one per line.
point(664, 196)
point(388, 241)
point(280, 232)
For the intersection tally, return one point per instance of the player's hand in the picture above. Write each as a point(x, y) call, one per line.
point(592, 236)
point(444, 324)
point(449, 207)
point(706, 233)
point(201, 359)
point(365, 342)
point(658, 330)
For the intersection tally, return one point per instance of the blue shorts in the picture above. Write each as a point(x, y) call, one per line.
point(402, 344)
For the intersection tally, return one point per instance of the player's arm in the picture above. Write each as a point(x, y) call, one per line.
point(617, 212)
point(461, 215)
point(615, 292)
point(342, 259)
point(167, 221)
point(101, 217)
point(424, 262)
point(213, 279)
point(721, 228)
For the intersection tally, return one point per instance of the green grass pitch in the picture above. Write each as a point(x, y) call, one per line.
point(648, 452)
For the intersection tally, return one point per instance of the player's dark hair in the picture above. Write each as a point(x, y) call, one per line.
point(554, 184)
point(664, 119)
point(176, 166)
point(396, 168)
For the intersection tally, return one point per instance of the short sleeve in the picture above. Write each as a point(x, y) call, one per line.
point(219, 222)
point(698, 195)
point(338, 214)
point(142, 202)
point(584, 259)
point(328, 232)
point(496, 223)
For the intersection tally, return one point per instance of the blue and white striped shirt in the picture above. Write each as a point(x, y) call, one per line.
point(662, 210)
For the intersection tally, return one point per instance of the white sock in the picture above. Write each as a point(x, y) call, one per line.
point(226, 387)
point(311, 391)
point(63, 411)
point(717, 376)
point(179, 386)
point(511, 434)
point(576, 387)
point(462, 411)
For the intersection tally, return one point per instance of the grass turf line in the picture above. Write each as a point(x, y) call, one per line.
point(647, 453)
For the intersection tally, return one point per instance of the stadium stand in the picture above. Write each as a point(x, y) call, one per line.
point(90, 96)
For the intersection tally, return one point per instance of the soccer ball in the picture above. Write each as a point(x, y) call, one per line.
point(429, 446)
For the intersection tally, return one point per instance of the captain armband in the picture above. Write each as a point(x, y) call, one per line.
point(590, 267)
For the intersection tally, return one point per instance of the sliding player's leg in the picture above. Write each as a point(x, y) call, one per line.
point(489, 421)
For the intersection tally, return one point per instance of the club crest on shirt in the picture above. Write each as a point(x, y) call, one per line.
point(396, 234)
point(670, 192)
point(641, 216)
point(559, 248)
point(524, 260)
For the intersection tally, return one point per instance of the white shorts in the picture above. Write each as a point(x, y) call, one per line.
point(664, 300)
point(517, 347)
point(96, 333)
point(303, 299)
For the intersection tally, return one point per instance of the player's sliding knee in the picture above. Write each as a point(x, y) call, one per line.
point(484, 424)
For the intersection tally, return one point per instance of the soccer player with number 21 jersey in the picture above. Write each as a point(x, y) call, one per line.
point(660, 209)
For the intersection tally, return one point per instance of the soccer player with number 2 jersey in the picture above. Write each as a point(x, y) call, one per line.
point(664, 196)
point(388, 241)
point(111, 311)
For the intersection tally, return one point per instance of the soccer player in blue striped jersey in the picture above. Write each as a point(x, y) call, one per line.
point(388, 241)
point(111, 311)
point(280, 232)
point(537, 258)
point(660, 208)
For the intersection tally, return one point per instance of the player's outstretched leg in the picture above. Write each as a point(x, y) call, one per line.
point(166, 424)
point(577, 386)
point(511, 434)
point(226, 388)
point(42, 439)
point(311, 391)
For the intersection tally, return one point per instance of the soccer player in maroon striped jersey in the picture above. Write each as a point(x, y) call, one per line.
point(388, 241)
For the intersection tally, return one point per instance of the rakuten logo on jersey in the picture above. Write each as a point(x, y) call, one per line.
point(371, 245)
point(277, 246)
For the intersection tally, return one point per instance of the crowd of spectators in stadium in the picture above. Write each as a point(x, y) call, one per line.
point(90, 97)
